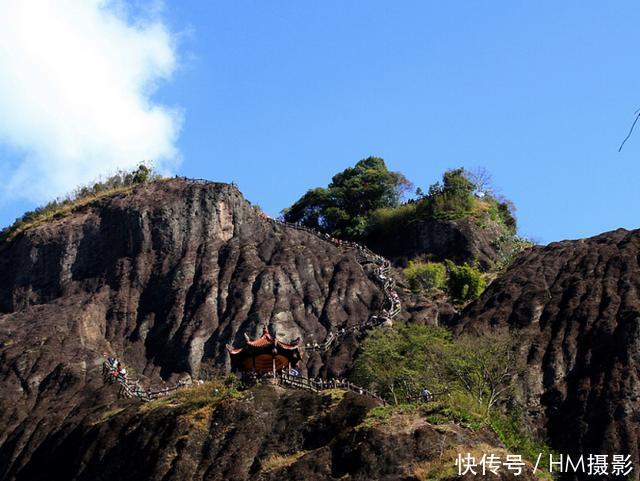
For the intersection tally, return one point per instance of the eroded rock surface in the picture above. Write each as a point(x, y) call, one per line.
point(462, 240)
point(576, 306)
point(162, 277)
point(270, 434)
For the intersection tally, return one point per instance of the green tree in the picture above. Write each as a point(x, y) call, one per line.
point(476, 370)
point(451, 199)
point(142, 174)
point(344, 206)
point(465, 282)
point(398, 362)
point(508, 246)
point(426, 275)
point(484, 367)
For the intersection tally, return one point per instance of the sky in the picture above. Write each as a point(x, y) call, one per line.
point(278, 96)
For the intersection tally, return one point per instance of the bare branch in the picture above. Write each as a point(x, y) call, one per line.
point(637, 114)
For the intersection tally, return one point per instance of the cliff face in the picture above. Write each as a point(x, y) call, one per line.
point(167, 274)
point(461, 241)
point(163, 277)
point(576, 306)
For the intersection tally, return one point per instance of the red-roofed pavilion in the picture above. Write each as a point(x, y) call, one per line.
point(265, 354)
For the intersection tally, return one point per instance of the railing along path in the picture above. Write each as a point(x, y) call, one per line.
point(313, 385)
point(390, 309)
point(391, 306)
point(129, 388)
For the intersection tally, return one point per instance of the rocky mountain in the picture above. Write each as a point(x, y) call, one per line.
point(163, 276)
point(269, 434)
point(166, 274)
point(575, 306)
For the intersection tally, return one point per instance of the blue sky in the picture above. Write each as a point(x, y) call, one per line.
point(279, 96)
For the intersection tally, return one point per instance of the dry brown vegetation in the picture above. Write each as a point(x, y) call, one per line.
point(194, 400)
point(279, 461)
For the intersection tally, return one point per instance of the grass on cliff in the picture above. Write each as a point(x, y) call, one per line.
point(121, 182)
point(438, 412)
point(194, 398)
point(275, 462)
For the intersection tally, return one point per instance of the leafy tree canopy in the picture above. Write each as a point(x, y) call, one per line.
point(465, 282)
point(398, 363)
point(344, 206)
point(451, 199)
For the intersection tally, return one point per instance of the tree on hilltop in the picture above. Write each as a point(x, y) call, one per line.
point(344, 206)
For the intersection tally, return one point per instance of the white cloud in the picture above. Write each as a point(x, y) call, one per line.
point(76, 78)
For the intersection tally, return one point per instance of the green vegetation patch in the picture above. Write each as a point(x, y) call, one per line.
point(343, 207)
point(362, 203)
point(426, 275)
point(452, 199)
point(397, 363)
point(508, 247)
point(382, 415)
point(464, 282)
point(121, 182)
point(471, 380)
point(194, 398)
point(459, 195)
point(516, 439)
point(387, 221)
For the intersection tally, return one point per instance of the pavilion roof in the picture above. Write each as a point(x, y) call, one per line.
point(266, 340)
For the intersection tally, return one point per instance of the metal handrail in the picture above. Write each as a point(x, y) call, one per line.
point(132, 389)
point(382, 276)
point(299, 382)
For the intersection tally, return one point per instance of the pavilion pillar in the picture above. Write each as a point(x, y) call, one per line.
point(273, 360)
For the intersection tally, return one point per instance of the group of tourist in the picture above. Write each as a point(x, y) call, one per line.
point(320, 384)
point(331, 383)
point(115, 371)
point(395, 300)
point(381, 272)
point(118, 371)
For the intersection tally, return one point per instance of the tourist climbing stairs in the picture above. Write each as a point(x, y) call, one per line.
point(129, 388)
point(391, 306)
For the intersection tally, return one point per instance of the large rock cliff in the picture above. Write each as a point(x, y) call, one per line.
point(162, 276)
point(266, 434)
point(462, 240)
point(166, 274)
point(576, 307)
